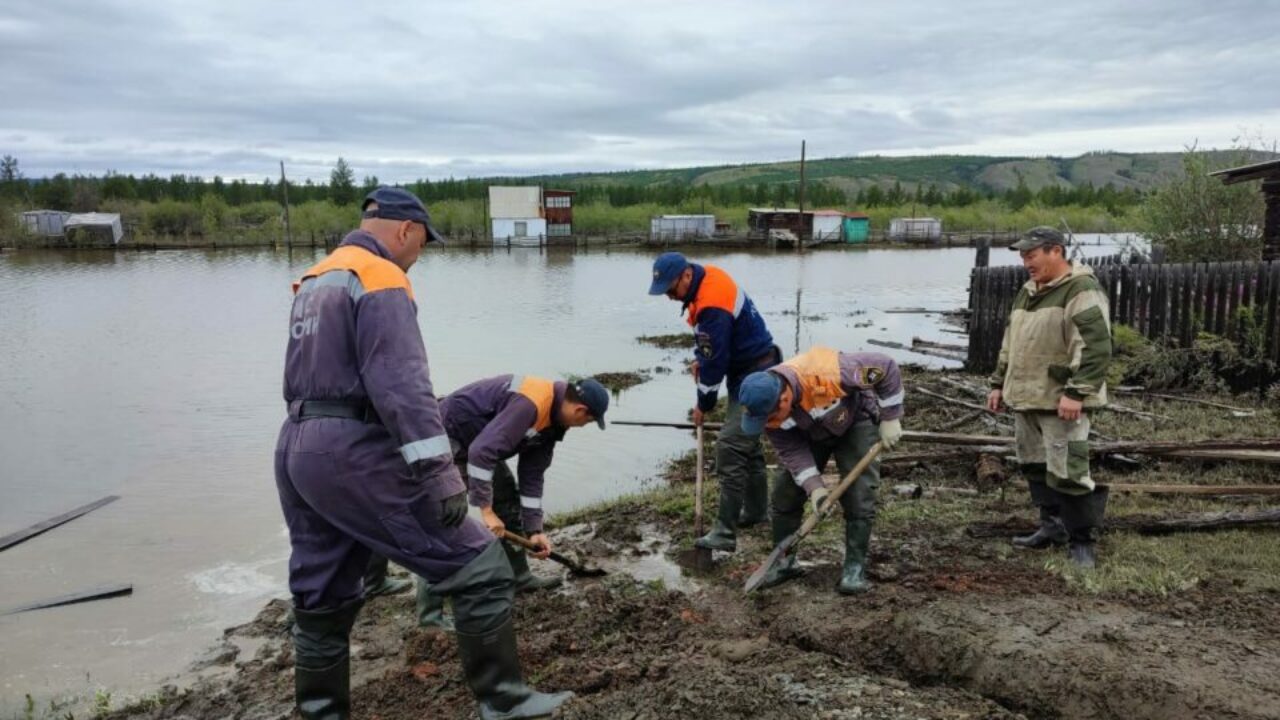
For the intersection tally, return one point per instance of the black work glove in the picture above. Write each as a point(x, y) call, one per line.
point(453, 509)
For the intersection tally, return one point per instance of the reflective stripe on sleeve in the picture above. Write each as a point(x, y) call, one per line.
point(533, 503)
point(739, 301)
point(894, 399)
point(516, 382)
point(426, 448)
point(479, 473)
point(805, 474)
point(708, 389)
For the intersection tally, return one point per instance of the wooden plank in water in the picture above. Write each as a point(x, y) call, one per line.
point(101, 593)
point(22, 536)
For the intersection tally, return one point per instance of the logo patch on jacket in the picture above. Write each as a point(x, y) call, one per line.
point(871, 376)
point(703, 341)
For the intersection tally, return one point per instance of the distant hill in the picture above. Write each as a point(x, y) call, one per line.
point(1123, 170)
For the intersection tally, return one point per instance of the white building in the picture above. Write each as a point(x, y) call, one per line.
point(678, 227)
point(915, 229)
point(516, 216)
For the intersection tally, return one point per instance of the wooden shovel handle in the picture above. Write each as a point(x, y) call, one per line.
point(697, 488)
point(521, 540)
point(839, 490)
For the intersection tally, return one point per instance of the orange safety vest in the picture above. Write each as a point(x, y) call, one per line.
point(818, 371)
point(717, 290)
point(542, 393)
point(375, 273)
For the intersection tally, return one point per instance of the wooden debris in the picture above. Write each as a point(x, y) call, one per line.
point(101, 593)
point(921, 350)
point(1143, 525)
point(22, 536)
point(990, 472)
point(917, 342)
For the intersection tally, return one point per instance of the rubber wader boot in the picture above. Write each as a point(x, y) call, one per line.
point(492, 668)
point(526, 581)
point(724, 532)
point(377, 582)
point(431, 609)
point(1051, 531)
point(322, 661)
point(857, 537)
point(787, 568)
point(755, 502)
point(1082, 515)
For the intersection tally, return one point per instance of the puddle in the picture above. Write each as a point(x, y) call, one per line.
point(646, 560)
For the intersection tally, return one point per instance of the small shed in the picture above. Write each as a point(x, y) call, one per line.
point(761, 220)
point(857, 228)
point(557, 208)
point(923, 229)
point(677, 227)
point(105, 225)
point(45, 223)
point(827, 225)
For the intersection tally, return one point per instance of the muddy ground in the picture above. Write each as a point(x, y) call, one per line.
point(956, 627)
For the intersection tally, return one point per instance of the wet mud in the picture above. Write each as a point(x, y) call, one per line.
point(955, 627)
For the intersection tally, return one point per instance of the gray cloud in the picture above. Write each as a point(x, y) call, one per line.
point(431, 89)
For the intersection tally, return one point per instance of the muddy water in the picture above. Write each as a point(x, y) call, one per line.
point(156, 376)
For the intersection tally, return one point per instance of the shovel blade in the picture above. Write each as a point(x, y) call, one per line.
point(696, 558)
point(774, 558)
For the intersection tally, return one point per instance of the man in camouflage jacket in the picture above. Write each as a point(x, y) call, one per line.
point(1051, 372)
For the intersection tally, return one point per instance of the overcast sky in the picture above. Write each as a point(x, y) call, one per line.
point(409, 89)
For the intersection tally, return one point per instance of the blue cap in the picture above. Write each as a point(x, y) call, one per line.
point(758, 395)
point(595, 397)
point(666, 270)
point(399, 204)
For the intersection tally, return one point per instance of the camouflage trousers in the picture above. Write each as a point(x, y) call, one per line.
point(1043, 438)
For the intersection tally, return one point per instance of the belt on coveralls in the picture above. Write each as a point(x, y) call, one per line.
point(361, 410)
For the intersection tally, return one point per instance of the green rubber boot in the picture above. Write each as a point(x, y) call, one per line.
point(526, 581)
point(857, 537)
point(378, 582)
point(431, 608)
point(724, 532)
point(322, 661)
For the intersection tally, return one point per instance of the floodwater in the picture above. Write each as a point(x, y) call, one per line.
point(157, 377)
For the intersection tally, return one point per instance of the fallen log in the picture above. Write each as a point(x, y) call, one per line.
point(935, 345)
point(1193, 401)
point(962, 420)
point(923, 351)
point(22, 536)
point(101, 593)
point(673, 425)
point(1144, 525)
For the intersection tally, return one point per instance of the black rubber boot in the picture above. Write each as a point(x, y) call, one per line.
point(526, 581)
point(492, 667)
point(322, 664)
point(431, 608)
point(377, 582)
point(1082, 515)
point(857, 538)
point(1051, 531)
point(724, 533)
point(787, 568)
point(755, 502)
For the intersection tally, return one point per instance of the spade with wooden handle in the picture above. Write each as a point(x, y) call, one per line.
point(575, 568)
point(788, 546)
point(698, 558)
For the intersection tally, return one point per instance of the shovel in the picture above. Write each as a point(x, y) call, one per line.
point(576, 568)
point(697, 558)
point(788, 546)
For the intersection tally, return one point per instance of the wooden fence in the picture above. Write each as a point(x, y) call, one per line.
point(1162, 302)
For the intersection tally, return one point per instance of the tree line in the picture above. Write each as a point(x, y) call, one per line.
point(83, 193)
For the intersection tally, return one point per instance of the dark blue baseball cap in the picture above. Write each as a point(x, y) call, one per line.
point(595, 397)
point(666, 270)
point(758, 395)
point(399, 204)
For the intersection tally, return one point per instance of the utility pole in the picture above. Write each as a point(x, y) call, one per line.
point(800, 232)
point(284, 187)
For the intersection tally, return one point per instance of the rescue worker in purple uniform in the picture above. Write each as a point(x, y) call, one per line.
point(507, 416)
point(363, 464)
point(819, 404)
point(731, 341)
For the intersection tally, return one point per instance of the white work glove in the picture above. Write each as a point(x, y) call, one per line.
point(817, 497)
point(890, 433)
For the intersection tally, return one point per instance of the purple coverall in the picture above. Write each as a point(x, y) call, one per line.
point(489, 422)
point(346, 486)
